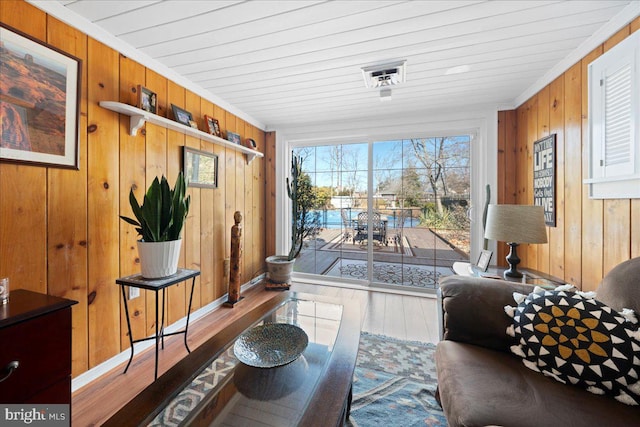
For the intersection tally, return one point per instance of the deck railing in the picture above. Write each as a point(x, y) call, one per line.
point(331, 218)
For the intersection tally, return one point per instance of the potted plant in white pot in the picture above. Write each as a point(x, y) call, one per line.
point(159, 221)
point(304, 223)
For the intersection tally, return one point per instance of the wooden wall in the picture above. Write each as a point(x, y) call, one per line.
point(270, 193)
point(59, 229)
point(591, 236)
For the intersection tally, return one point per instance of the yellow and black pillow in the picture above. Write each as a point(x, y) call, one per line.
point(578, 340)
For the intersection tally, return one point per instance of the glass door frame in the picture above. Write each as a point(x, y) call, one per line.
point(483, 164)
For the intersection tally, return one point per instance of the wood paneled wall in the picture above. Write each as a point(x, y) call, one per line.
point(591, 236)
point(270, 192)
point(59, 229)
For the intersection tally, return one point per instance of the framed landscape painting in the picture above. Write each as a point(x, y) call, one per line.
point(200, 168)
point(39, 102)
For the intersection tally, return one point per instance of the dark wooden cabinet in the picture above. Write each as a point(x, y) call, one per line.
point(35, 332)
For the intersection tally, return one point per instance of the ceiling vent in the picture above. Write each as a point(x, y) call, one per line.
point(389, 74)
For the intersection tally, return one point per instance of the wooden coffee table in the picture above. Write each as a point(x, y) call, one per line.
point(314, 390)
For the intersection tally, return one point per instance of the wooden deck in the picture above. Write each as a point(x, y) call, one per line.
point(404, 317)
point(420, 247)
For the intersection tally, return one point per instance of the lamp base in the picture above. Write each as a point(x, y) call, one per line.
point(513, 261)
point(513, 274)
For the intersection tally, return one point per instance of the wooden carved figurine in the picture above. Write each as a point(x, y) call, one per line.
point(236, 260)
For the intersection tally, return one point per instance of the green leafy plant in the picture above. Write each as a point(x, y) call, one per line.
point(454, 218)
point(163, 211)
point(304, 222)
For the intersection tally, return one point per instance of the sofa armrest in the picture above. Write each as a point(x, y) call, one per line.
point(472, 310)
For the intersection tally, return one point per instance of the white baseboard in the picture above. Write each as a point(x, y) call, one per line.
point(106, 366)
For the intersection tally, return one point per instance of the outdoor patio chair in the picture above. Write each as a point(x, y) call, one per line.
point(379, 227)
point(347, 224)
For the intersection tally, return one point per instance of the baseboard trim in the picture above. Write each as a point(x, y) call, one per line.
point(94, 373)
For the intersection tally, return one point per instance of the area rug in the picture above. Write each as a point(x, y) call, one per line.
point(419, 276)
point(394, 245)
point(394, 384)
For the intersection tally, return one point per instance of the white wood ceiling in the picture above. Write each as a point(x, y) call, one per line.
point(290, 63)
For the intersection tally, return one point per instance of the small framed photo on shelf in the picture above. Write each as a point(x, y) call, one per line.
point(251, 143)
point(233, 137)
point(147, 100)
point(193, 124)
point(213, 127)
point(484, 259)
point(181, 116)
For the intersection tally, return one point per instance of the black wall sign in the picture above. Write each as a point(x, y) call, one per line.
point(544, 177)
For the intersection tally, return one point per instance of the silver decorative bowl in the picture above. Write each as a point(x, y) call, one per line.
point(270, 345)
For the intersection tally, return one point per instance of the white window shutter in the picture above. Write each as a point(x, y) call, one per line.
point(618, 153)
point(614, 122)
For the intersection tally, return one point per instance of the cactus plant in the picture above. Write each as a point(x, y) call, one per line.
point(298, 213)
point(304, 222)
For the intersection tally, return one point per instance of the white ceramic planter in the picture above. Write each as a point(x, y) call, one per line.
point(159, 259)
point(279, 268)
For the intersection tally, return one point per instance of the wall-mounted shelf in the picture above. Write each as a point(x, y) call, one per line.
point(138, 118)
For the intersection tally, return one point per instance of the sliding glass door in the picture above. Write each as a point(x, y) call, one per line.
point(339, 177)
point(389, 213)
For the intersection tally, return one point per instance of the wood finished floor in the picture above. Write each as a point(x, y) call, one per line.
point(399, 316)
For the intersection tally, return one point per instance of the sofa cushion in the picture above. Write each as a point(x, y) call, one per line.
point(580, 341)
point(620, 288)
point(472, 310)
point(481, 387)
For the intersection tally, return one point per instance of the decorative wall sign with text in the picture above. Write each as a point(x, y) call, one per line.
point(544, 177)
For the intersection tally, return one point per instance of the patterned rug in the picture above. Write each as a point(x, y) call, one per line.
point(394, 384)
point(419, 276)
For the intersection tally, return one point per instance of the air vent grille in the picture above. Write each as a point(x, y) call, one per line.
point(389, 74)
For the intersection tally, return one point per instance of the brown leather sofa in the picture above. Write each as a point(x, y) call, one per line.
point(480, 383)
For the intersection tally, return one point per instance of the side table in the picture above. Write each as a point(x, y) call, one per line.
point(137, 281)
point(529, 276)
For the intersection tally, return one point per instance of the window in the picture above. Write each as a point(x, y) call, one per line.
point(391, 213)
point(614, 127)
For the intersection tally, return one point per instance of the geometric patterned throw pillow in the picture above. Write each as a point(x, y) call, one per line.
point(578, 340)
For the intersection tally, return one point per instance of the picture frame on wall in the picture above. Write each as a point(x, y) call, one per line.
point(200, 168)
point(233, 137)
point(213, 127)
point(147, 99)
point(181, 116)
point(39, 102)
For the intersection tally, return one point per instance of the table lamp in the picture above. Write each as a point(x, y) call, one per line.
point(515, 224)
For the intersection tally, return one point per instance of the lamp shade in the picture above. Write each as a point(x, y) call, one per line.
point(516, 224)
